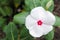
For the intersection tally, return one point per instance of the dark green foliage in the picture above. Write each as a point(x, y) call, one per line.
point(14, 12)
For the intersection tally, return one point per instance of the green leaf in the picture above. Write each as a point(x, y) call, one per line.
point(20, 18)
point(45, 2)
point(30, 4)
point(49, 4)
point(2, 12)
point(57, 23)
point(50, 35)
point(11, 31)
point(5, 11)
point(24, 33)
point(3, 2)
point(2, 21)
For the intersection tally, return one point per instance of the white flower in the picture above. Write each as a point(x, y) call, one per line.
point(39, 22)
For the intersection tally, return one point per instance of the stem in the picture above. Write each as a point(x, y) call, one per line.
point(57, 23)
point(19, 36)
point(18, 27)
point(12, 34)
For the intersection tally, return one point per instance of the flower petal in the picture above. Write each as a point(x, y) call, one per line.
point(39, 13)
point(36, 31)
point(29, 22)
point(47, 28)
point(50, 18)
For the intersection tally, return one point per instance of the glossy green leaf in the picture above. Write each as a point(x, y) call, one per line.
point(2, 12)
point(11, 31)
point(30, 4)
point(24, 33)
point(20, 18)
point(3, 2)
point(5, 11)
point(2, 21)
point(57, 23)
point(44, 3)
point(50, 35)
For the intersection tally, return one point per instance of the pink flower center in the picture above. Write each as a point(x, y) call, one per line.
point(39, 22)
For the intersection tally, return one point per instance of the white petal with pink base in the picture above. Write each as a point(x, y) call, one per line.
point(39, 22)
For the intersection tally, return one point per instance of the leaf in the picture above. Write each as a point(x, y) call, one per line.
point(5, 11)
point(30, 4)
point(49, 4)
point(50, 35)
point(24, 33)
point(2, 12)
point(2, 21)
point(11, 31)
point(44, 4)
point(3, 2)
point(20, 18)
point(57, 23)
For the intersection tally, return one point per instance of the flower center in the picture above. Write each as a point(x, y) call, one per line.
point(39, 22)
